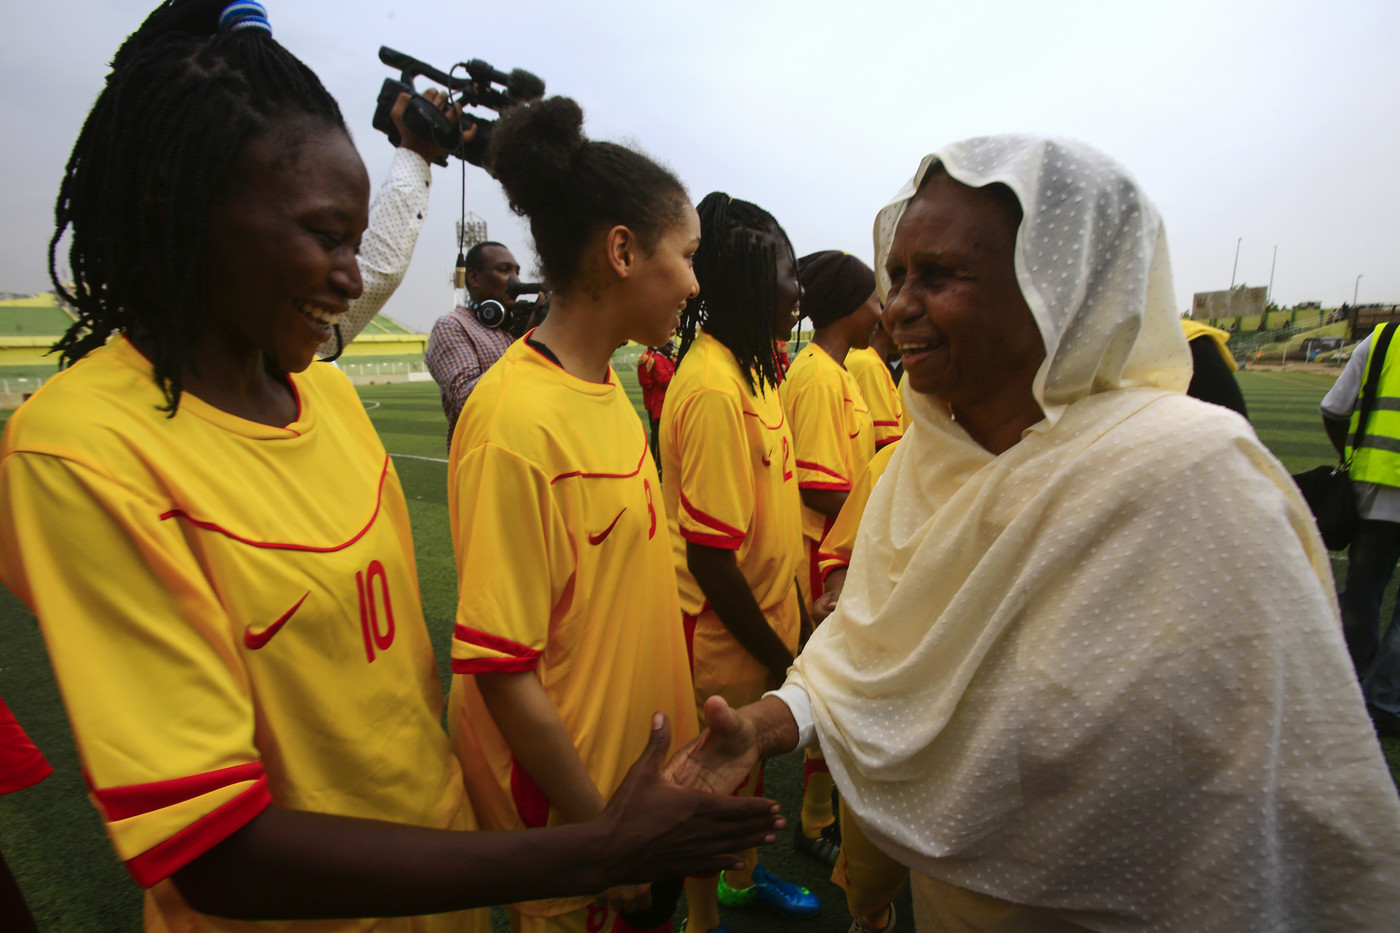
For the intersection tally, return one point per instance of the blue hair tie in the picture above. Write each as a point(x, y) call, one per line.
point(244, 14)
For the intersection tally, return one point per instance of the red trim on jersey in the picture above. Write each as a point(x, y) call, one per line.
point(493, 642)
point(164, 859)
point(809, 465)
point(296, 397)
point(21, 763)
point(709, 520)
point(530, 800)
point(120, 803)
point(839, 487)
point(688, 625)
point(887, 424)
point(889, 440)
point(828, 571)
point(493, 665)
point(276, 546)
point(582, 475)
point(771, 427)
point(719, 541)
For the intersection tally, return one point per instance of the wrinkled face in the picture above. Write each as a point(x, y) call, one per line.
point(663, 282)
point(789, 306)
point(489, 282)
point(283, 241)
point(955, 309)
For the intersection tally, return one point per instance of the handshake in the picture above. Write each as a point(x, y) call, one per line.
point(678, 819)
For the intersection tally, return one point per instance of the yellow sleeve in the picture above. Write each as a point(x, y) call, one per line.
point(836, 547)
point(145, 657)
point(821, 447)
point(716, 482)
point(514, 561)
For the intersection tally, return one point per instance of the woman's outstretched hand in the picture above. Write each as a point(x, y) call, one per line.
point(657, 827)
point(721, 757)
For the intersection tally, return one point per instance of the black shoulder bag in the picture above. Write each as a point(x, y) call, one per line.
point(1327, 489)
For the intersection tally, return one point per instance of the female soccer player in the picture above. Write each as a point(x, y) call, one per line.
point(568, 627)
point(834, 439)
point(217, 546)
point(731, 495)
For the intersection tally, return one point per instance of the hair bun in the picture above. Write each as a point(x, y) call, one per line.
point(533, 150)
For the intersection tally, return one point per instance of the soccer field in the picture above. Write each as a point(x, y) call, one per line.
point(51, 835)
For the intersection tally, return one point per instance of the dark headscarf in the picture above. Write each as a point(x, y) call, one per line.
point(834, 284)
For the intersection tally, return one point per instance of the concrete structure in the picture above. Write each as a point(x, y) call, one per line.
point(1242, 301)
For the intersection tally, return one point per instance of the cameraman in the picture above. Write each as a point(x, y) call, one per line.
point(395, 218)
point(460, 347)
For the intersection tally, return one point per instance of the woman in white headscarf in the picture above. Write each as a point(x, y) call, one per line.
point(1087, 671)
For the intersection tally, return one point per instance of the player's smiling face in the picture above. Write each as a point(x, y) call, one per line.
point(665, 280)
point(282, 243)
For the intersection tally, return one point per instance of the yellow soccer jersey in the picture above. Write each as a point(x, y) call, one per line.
point(233, 614)
point(880, 393)
point(731, 482)
point(831, 428)
point(564, 568)
point(841, 539)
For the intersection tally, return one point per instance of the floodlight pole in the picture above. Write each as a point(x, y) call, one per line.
point(1272, 266)
point(1355, 288)
point(1237, 263)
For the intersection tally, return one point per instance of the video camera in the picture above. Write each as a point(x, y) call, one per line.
point(520, 316)
point(476, 89)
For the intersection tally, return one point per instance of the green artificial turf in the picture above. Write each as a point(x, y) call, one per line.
point(52, 837)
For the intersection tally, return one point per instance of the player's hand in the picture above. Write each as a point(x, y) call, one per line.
point(653, 829)
point(628, 898)
point(429, 150)
point(721, 757)
point(824, 606)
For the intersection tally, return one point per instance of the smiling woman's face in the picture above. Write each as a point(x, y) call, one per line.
point(955, 309)
point(282, 248)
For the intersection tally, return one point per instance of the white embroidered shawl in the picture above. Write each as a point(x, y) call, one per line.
point(1102, 673)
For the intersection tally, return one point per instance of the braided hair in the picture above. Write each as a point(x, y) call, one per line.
point(183, 98)
point(736, 267)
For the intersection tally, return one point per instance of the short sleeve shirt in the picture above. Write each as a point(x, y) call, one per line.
point(831, 428)
point(731, 476)
point(564, 568)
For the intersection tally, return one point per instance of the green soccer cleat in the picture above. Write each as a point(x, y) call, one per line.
point(779, 896)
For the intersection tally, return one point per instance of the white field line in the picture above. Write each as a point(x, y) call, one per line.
point(416, 457)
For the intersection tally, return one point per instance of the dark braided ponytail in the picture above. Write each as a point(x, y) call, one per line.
point(181, 101)
point(736, 267)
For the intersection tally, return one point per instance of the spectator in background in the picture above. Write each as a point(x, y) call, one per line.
point(1375, 551)
point(467, 341)
point(655, 367)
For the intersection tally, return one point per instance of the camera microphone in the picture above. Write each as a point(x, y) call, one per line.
point(515, 288)
point(520, 84)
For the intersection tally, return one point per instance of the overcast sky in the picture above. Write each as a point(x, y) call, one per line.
point(1264, 123)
